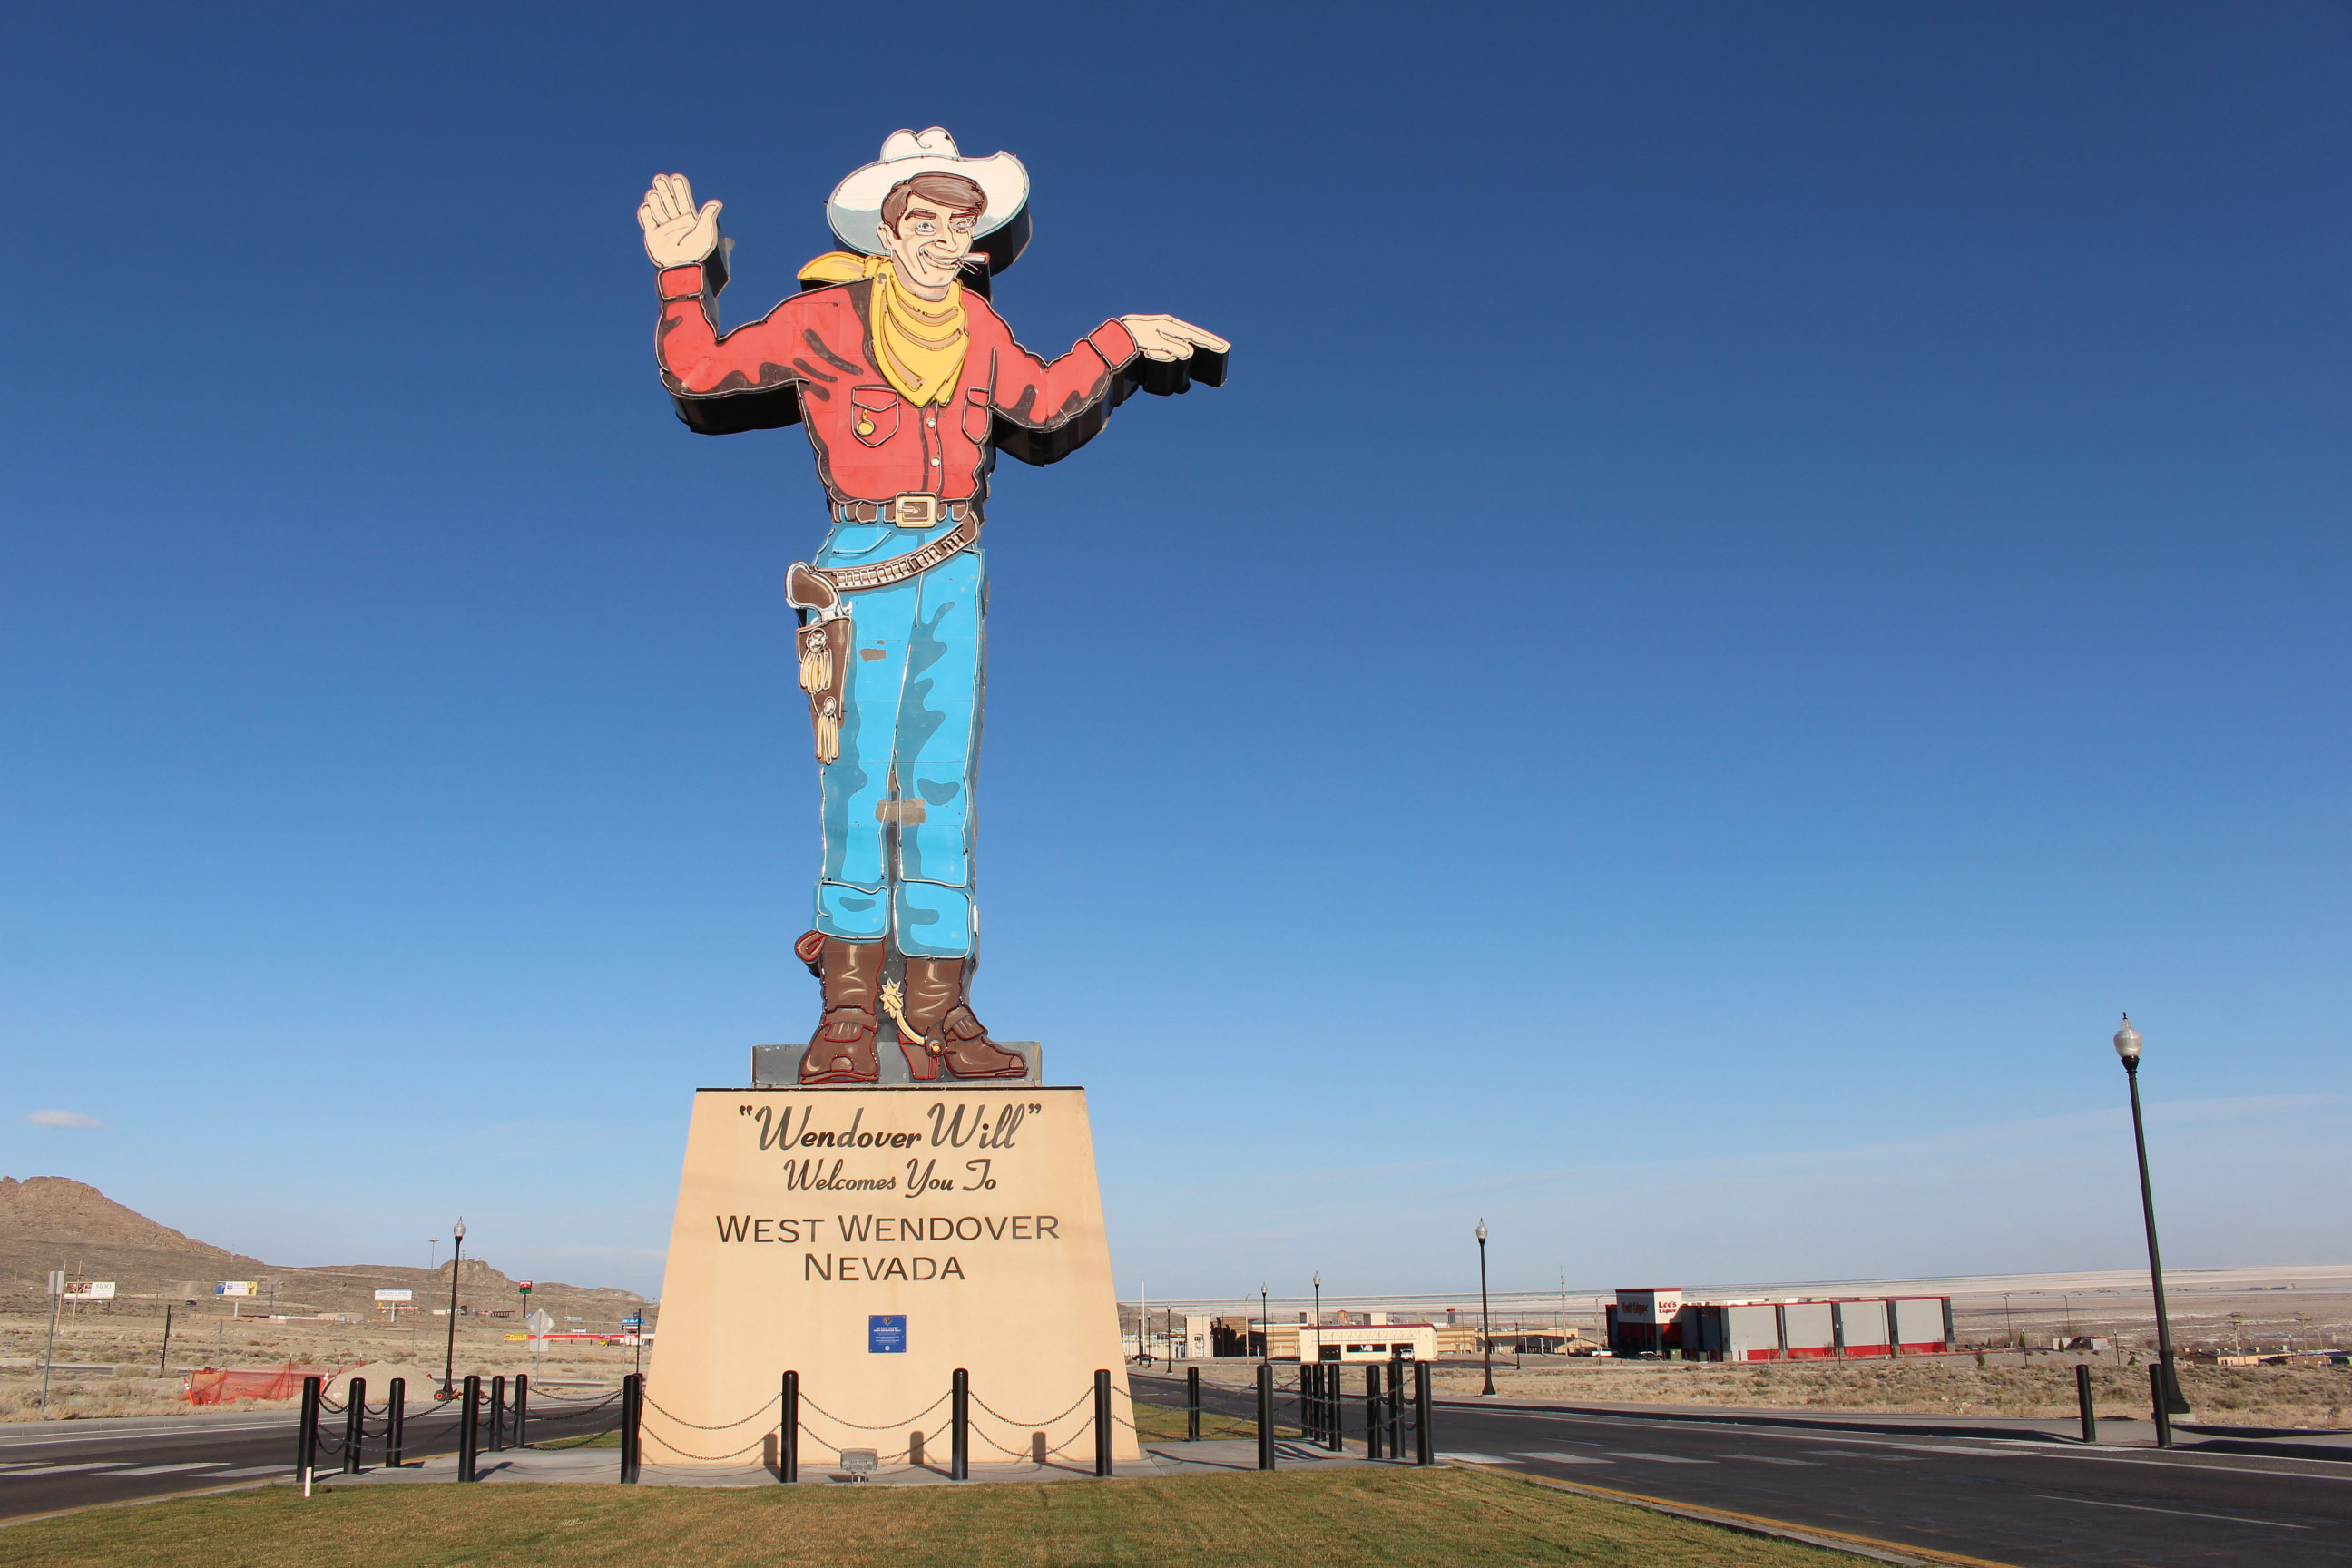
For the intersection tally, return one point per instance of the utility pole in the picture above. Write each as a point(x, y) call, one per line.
point(57, 1289)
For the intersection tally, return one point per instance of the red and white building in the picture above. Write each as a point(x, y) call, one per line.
point(1657, 1321)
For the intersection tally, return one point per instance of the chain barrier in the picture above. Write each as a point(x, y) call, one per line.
point(722, 1426)
point(808, 1403)
point(1032, 1426)
point(716, 1458)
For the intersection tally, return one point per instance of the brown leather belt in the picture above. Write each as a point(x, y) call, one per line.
point(820, 587)
point(913, 509)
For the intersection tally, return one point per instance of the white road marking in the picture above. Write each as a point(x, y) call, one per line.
point(1775, 1459)
point(1660, 1458)
point(1476, 1458)
point(1565, 1459)
point(61, 1470)
point(169, 1469)
point(2176, 1512)
point(262, 1471)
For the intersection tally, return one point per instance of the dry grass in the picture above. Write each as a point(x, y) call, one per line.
point(2314, 1397)
point(1457, 1519)
point(129, 1341)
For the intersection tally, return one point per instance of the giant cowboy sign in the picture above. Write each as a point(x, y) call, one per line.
point(908, 385)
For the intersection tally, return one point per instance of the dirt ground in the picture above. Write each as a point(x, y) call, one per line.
point(130, 1340)
point(2318, 1397)
point(2314, 1396)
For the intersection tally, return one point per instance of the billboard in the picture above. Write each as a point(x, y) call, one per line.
point(88, 1290)
point(1655, 1305)
point(237, 1288)
point(384, 1297)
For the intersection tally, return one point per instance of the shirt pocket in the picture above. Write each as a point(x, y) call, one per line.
point(977, 413)
point(873, 414)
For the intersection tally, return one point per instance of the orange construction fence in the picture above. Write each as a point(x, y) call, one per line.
point(218, 1385)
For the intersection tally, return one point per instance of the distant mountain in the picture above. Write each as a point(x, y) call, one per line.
point(51, 1222)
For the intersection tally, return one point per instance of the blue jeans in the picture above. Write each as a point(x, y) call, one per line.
point(897, 808)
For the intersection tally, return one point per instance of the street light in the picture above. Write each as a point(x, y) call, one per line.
point(456, 1252)
point(1319, 1321)
point(2169, 1402)
point(1265, 1326)
point(1486, 1323)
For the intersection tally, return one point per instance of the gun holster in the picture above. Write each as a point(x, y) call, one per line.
point(826, 637)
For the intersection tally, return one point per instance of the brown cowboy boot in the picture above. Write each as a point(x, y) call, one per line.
point(937, 1029)
point(842, 1051)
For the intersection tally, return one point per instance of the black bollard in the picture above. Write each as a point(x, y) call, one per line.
point(633, 1399)
point(1372, 1410)
point(2083, 1400)
point(306, 1436)
point(1192, 1404)
point(395, 1418)
point(354, 1424)
point(1265, 1415)
point(522, 1408)
point(1311, 1403)
point(960, 1426)
point(2163, 1405)
point(498, 1414)
point(1396, 1407)
point(1102, 1423)
point(788, 1436)
point(470, 1431)
point(1425, 1437)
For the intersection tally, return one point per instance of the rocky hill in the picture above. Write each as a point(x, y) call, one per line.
point(51, 1222)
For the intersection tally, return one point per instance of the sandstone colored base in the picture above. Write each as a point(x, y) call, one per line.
point(807, 1219)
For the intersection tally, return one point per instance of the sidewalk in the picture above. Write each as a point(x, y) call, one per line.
point(603, 1466)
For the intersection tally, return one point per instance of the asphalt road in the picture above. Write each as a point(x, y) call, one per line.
point(53, 1464)
point(2005, 1499)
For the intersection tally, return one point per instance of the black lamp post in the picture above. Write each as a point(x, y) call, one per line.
point(1485, 1322)
point(1318, 1319)
point(456, 1252)
point(1265, 1326)
point(2127, 1045)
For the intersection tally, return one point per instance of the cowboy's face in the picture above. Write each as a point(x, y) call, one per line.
point(930, 244)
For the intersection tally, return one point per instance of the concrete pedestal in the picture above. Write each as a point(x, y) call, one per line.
point(875, 1241)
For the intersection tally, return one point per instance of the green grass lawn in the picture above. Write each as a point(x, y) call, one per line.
point(1441, 1518)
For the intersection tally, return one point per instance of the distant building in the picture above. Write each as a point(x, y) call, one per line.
point(1656, 1320)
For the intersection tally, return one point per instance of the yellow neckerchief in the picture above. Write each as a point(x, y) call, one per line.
point(920, 342)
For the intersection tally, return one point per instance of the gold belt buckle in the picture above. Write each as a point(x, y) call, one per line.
point(915, 509)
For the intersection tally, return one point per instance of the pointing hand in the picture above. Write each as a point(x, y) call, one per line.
point(1166, 338)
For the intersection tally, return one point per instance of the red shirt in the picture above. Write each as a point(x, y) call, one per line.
point(872, 444)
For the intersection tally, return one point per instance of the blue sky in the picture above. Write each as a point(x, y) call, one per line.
point(1761, 572)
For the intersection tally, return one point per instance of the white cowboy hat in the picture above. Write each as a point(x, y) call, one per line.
point(855, 208)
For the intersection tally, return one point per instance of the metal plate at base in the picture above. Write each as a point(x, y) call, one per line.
point(778, 1067)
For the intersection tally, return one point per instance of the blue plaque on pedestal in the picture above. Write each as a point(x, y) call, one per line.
point(886, 1335)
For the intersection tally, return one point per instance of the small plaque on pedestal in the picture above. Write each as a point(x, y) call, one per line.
point(875, 1240)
